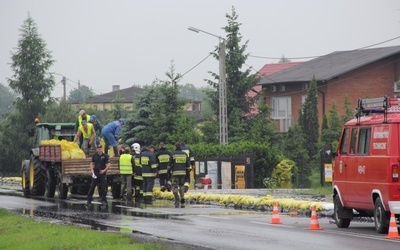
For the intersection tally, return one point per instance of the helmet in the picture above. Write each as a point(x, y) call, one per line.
point(136, 147)
point(122, 120)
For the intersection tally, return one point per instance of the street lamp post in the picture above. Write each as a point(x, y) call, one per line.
point(223, 116)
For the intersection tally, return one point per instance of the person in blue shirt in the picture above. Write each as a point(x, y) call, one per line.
point(110, 133)
point(97, 128)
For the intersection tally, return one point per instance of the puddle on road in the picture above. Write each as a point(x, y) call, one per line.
point(74, 212)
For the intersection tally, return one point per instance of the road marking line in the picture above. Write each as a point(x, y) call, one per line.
point(268, 224)
point(359, 235)
point(215, 217)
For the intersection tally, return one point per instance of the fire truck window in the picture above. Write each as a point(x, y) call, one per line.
point(344, 143)
point(364, 141)
point(353, 141)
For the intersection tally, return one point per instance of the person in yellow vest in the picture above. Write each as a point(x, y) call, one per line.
point(126, 163)
point(81, 116)
point(86, 130)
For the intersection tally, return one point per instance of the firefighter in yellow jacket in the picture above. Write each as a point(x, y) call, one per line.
point(178, 172)
point(86, 130)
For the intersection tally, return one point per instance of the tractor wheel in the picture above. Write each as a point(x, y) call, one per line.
point(74, 190)
point(25, 178)
point(83, 189)
point(50, 183)
point(62, 190)
point(37, 177)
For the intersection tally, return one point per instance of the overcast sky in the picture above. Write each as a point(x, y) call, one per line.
point(103, 43)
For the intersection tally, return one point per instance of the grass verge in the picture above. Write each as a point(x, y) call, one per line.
point(19, 232)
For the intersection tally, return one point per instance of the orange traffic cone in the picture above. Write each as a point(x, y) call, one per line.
point(393, 232)
point(314, 225)
point(275, 215)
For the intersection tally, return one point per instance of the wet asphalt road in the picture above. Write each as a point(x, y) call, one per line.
point(196, 226)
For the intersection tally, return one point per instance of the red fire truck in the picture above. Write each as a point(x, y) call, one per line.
point(366, 164)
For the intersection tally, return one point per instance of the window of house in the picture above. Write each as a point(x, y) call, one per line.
point(364, 141)
point(283, 88)
point(397, 86)
point(281, 107)
point(273, 88)
point(305, 86)
point(303, 99)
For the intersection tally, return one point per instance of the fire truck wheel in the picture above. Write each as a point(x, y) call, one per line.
point(340, 222)
point(37, 177)
point(381, 217)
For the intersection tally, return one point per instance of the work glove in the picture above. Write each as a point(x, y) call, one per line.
point(186, 186)
point(94, 176)
point(169, 186)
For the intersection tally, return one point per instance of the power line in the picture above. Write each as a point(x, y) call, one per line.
point(195, 66)
point(308, 57)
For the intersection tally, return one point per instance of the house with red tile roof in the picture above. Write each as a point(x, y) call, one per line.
point(340, 75)
point(266, 70)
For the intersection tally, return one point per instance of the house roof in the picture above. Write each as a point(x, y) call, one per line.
point(127, 95)
point(269, 69)
point(327, 67)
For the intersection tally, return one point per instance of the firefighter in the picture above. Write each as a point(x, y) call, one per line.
point(190, 154)
point(138, 178)
point(178, 172)
point(149, 172)
point(163, 158)
point(126, 163)
point(110, 133)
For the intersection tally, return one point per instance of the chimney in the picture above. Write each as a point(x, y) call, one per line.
point(115, 88)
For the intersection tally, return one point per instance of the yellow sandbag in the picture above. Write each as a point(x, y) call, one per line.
point(77, 154)
point(65, 155)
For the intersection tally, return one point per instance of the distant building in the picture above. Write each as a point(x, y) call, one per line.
point(127, 97)
point(267, 70)
point(104, 102)
point(343, 74)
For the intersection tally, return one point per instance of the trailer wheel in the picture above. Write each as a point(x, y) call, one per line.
point(381, 217)
point(62, 190)
point(37, 177)
point(116, 190)
point(25, 178)
point(50, 183)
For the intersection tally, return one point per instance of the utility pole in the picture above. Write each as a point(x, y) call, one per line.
point(223, 104)
point(223, 121)
point(64, 82)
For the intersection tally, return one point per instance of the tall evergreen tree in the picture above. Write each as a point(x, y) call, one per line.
point(33, 84)
point(309, 122)
point(294, 149)
point(238, 82)
point(330, 134)
point(31, 81)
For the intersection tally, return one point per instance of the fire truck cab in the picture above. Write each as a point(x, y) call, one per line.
point(366, 165)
